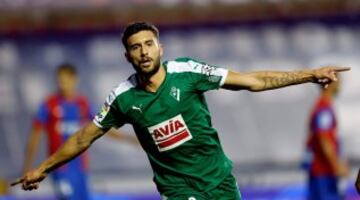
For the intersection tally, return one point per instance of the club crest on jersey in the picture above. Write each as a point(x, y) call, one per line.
point(175, 92)
point(170, 133)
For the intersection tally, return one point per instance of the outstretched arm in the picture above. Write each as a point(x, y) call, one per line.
point(74, 146)
point(267, 80)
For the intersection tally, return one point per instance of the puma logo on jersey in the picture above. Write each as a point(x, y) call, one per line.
point(170, 133)
point(138, 108)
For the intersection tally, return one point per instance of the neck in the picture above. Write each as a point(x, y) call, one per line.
point(68, 95)
point(153, 82)
point(328, 94)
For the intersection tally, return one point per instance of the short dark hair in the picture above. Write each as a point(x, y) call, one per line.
point(136, 27)
point(66, 67)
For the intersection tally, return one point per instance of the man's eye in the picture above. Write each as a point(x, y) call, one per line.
point(135, 47)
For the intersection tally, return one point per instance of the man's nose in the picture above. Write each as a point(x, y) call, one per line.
point(144, 51)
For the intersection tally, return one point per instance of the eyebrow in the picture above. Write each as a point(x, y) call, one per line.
point(136, 44)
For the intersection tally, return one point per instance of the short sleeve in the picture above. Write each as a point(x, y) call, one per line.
point(110, 114)
point(324, 120)
point(207, 77)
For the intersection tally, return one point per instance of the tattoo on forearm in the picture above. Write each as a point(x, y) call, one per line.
point(284, 79)
point(80, 139)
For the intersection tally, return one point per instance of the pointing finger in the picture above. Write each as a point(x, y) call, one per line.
point(342, 69)
point(17, 181)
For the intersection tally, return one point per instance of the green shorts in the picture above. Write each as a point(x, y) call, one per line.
point(226, 190)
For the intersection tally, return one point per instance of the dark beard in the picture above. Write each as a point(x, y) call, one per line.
point(150, 73)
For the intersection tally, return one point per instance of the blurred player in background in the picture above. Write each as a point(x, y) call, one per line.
point(60, 115)
point(165, 103)
point(326, 166)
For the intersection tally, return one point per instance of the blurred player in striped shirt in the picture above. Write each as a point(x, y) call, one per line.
point(59, 116)
point(325, 165)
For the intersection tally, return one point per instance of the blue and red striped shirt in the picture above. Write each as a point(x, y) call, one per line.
point(322, 125)
point(60, 118)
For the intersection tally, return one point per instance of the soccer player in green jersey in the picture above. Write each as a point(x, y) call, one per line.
point(165, 104)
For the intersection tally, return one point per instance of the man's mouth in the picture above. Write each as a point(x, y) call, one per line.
point(145, 62)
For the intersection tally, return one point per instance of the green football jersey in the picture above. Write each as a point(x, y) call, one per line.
point(173, 125)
